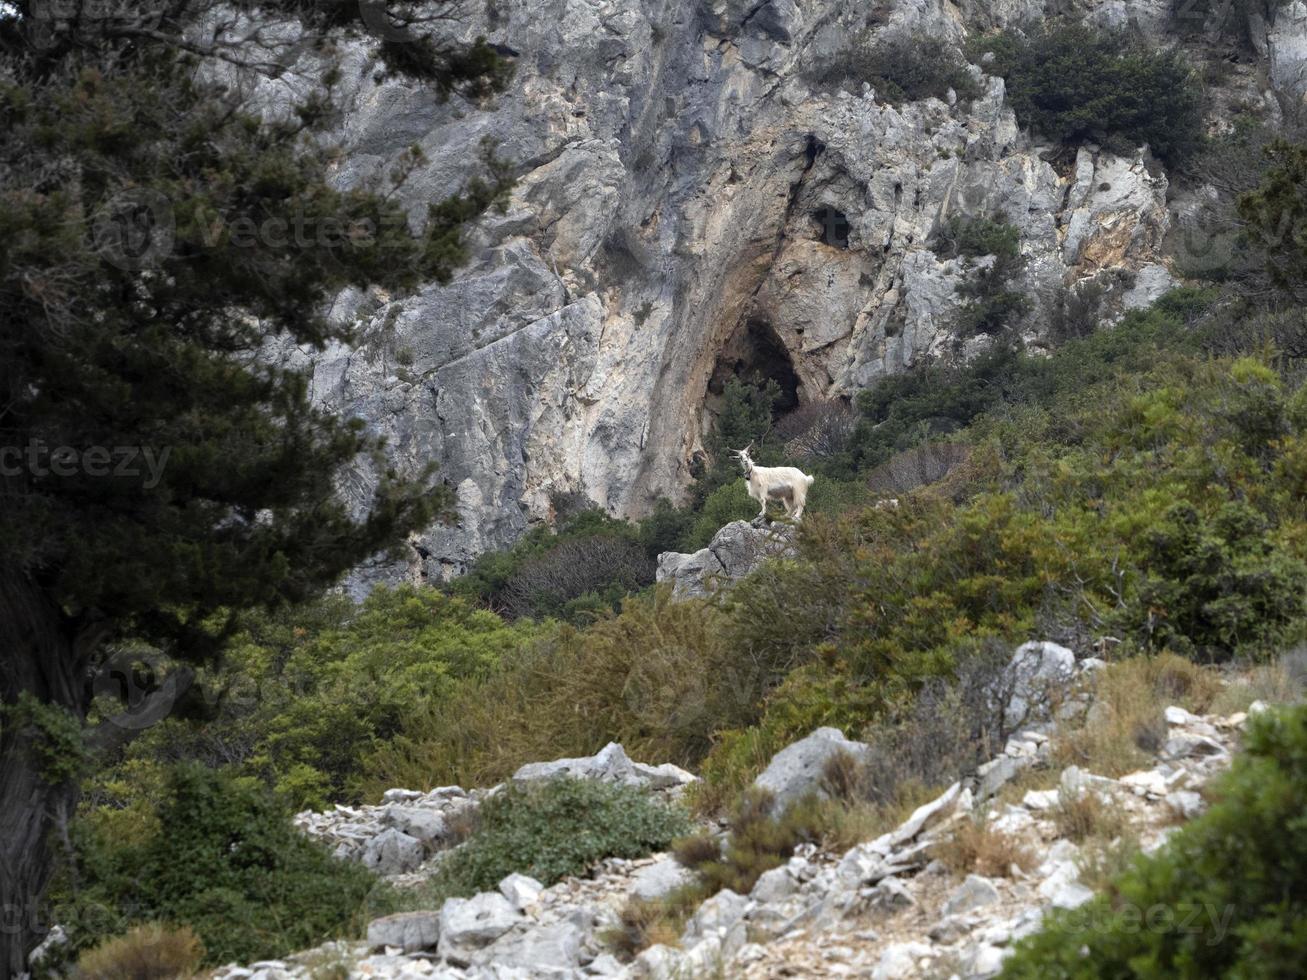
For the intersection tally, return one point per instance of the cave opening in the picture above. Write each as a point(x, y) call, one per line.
point(833, 225)
point(756, 354)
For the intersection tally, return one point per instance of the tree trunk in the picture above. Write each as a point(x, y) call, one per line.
point(40, 658)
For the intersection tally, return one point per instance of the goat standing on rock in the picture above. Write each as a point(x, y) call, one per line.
point(783, 483)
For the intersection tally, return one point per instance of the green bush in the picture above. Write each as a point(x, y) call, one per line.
point(1226, 896)
point(659, 678)
point(223, 860)
point(1075, 83)
point(304, 695)
point(554, 829)
point(507, 581)
point(901, 70)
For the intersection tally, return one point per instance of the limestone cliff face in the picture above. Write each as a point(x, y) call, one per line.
point(688, 205)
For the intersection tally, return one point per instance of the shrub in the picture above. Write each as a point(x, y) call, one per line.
point(225, 862)
point(975, 846)
point(306, 694)
point(760, 839)
point(1125, 726)
point(152, 951)
point(1231, 882)
point(949, 726)
point(1273, 214)
point(818, 432)
point(1075, 83)
point(554, 829)
point(659, 677)
point(1088, 815)
point(918, 467)
point(900, 70)
point(975, 237)
point(603, 568)
point(534, 566)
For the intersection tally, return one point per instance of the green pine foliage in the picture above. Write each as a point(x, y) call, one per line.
point(1075, 83)
point(900, 70)
point(221, 857)
point(1225, 897)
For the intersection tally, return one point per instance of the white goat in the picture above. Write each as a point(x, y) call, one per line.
point(783, 483)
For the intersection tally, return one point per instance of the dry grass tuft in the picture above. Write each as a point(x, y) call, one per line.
point(641, 924)
point(1103, 862)
point(1088, 816)
point(1125, 726)
point(153, 951)
point(976, 846)
point(1281, 682)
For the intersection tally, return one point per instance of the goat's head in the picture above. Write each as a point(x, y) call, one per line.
point(742, 456)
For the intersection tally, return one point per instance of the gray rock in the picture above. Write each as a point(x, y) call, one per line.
point(891, 894)
point(547, 950)
point(735, 551)
point(1035, 669)
point(612, 765)
point(798, 769)
point(521, 890)
point(899, 960)
point(408, 931)
point(1185, 803)
point(716, 916)
point(926, 816)
point(419, 823)
point(997, 773)
point(393, 852)
point(974, 893)
point(474, 922)
point(660, 879)
point(774, 885)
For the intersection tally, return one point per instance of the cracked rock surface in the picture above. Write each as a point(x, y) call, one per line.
point(685, 195)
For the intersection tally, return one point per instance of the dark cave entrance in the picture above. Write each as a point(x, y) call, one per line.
point(834, 227)
point(755, 354)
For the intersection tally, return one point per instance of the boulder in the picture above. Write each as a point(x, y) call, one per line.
point(660, 879)
point(611, 765)
point(974, 893)
point(1034, 669)
point(717, 916)
point(735, 551)
point(521, 890)
point(407, 931)
point(798, 769)
point(774, 885)
point(393, 852)
point(546, 950)
point(420, 823)
point(476, 921)
point(900, 960)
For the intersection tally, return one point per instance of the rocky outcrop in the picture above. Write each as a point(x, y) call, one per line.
point(408, 828)
point(691, 205)
point(885, 908)
point(735, 551)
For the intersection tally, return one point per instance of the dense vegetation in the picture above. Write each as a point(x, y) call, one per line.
point(1076, 83)
point(901, 70)
point(1144, 482)
point(146, 201)
point(1226, 897)
point(554, 829)
point(218, 855)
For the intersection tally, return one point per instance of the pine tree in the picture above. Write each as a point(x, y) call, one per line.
point(157, 233)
